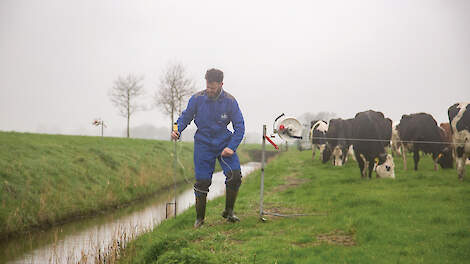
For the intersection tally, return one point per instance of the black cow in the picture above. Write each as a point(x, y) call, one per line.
point(338, 141)
point(459, 118)
point(422, 127)
point(372, 133)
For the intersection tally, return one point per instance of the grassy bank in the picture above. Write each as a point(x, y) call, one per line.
point(420, 217)
point(48, 179)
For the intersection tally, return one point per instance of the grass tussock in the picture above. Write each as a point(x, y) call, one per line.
point(420, 217)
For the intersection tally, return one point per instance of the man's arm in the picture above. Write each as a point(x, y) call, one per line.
point(188, 115)
point(238, 127)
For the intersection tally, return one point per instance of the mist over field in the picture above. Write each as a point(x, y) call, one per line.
point(61, 58)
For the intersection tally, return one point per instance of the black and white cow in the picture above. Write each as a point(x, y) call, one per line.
point(422, 127)
point(318, 131)
point(338, 141)
point(459, 118)
point(372, 133)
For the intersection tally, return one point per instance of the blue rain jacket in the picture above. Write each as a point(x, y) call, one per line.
point(212, 118)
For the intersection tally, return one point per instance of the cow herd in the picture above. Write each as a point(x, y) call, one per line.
point(368, 136)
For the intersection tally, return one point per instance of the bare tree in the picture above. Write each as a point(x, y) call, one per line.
point(175, 87)
point(125, 94)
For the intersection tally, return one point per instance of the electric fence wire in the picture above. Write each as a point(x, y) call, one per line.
point(231, 171)
point(384, 140)
point(179, 150)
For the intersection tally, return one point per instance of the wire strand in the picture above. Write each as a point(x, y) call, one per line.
point(181, 164)
point(231, 171)
point(384, 140)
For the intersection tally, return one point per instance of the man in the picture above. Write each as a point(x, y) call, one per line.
point(212, 110)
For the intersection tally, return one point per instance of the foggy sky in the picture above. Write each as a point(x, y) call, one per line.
point(58, 59)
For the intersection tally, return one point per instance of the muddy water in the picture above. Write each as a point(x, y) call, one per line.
point(71, 242)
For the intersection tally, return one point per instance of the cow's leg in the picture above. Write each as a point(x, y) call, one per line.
point(460, 160)
point(416, 157)
point(435, 163)
point(326, 155)
point(314, 149)
point(366, 169)
point(371, 168)
point(351, 152)
point(454, 155)
point(360, 162)
point(403, 154)
point(321, 149)
point(345, 155)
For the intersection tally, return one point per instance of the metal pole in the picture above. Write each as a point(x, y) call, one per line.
point(174, 176)
point(263, 153)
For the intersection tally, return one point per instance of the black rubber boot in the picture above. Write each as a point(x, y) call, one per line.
point(230, 197)
point(200, 210)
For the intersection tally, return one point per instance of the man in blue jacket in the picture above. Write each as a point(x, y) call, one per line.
point(212, 110)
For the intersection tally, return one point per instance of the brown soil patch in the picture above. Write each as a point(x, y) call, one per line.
point(336, 237)
point(291, 181)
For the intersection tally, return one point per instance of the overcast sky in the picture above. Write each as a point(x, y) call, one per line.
point(58, 58)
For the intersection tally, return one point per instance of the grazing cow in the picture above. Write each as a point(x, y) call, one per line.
point(338, 141)
point(459, 118)
point(317, 136)
point(422, 127)
point(372, 133)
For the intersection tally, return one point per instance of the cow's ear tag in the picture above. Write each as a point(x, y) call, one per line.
point(376, 160)
point(440, 155)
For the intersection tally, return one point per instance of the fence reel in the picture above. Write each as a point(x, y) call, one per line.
point(288, 129)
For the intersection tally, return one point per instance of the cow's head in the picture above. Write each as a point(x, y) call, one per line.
point(387, 168)
point(444, 158)
point(337, 156)
point(321, 148)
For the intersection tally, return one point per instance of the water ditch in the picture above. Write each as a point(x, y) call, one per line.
point(92, 238)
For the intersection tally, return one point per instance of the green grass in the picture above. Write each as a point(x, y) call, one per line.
point(48, 179)
point(420, 217)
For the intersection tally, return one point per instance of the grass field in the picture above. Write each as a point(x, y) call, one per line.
point(420, 217)
point(48, 179)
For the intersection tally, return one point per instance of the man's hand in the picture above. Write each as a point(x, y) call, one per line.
point(175, 135)
point(227, 152)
